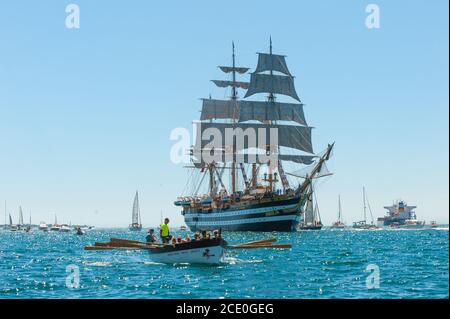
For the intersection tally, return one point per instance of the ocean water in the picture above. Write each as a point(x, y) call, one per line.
point(321, 264)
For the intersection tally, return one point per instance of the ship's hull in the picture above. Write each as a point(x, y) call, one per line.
point(281, 215)
point(310, 227)
point(402, 223)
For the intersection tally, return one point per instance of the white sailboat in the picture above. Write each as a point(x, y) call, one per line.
point(339, 223)
point(55, 226)
point(136, 215)
point(11, 226)
point(21, 223)
point(311, 217)
point(363, 223)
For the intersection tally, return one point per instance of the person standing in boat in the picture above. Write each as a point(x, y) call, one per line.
point(164, 232)
point(151, 238)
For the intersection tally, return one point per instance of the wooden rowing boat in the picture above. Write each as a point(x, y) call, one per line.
point(206, 251)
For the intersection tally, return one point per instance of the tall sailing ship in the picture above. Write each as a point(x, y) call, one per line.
point(136, 215)
point(255, 193)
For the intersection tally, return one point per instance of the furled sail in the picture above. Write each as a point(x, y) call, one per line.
point(267, 83)
point(229, 69)
point(222, 84)
point(297, 137)
point(252, 110)
point(272, 62)
point(136, 212)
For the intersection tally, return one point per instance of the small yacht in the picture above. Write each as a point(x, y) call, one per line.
point(43, 226)
point(11, 226)
point(339, 224)
point(363, 223)
point(55, 226)
point(65, 228)
point(433, 224)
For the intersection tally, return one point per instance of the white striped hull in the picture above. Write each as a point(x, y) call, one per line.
point(205, 255)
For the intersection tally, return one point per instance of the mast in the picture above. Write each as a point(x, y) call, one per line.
point(364, 203)
point(234, 99)
point(270, 98)
point(339, 210)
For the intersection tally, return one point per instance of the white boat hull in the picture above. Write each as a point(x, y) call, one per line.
point(207, 255)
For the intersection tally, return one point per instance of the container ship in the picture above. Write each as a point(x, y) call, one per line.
point(400, 215)
point(245, 186)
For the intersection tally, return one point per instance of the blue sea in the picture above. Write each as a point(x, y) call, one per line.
point(329, 263)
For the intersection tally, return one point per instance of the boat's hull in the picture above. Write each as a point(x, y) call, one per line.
point(310, 227)
point(367, 227)
point(282, 216)
point(199, 252)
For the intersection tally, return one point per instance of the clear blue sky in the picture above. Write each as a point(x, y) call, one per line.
point(85, 115)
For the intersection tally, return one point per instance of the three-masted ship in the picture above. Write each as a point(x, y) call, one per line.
point(247, 188)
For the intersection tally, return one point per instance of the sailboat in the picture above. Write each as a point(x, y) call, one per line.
point(11, 226)
point(311, 217)
point(55, 226)
point(339, 223)
point(363, 223)
point(136, 215)
point(21, 223)
point(266, 200)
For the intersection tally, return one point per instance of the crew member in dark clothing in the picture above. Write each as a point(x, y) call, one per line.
point(151, 238)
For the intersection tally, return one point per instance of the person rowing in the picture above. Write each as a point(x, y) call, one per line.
point(151, 238)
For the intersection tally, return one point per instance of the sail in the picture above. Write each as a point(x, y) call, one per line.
point(238, 84)
point(20, 216)
point(10, 220)
point(309, 211)
point(272, 62)
point(297, 137)
point(136, 212)
point(252, 110)
point(229, 69)
point(266, 83)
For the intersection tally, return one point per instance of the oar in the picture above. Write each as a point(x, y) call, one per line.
point(97, 248)
point(258, 242)
point(120, 240)
point(260, 246)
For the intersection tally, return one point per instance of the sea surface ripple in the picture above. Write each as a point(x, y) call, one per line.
point(321, 264)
